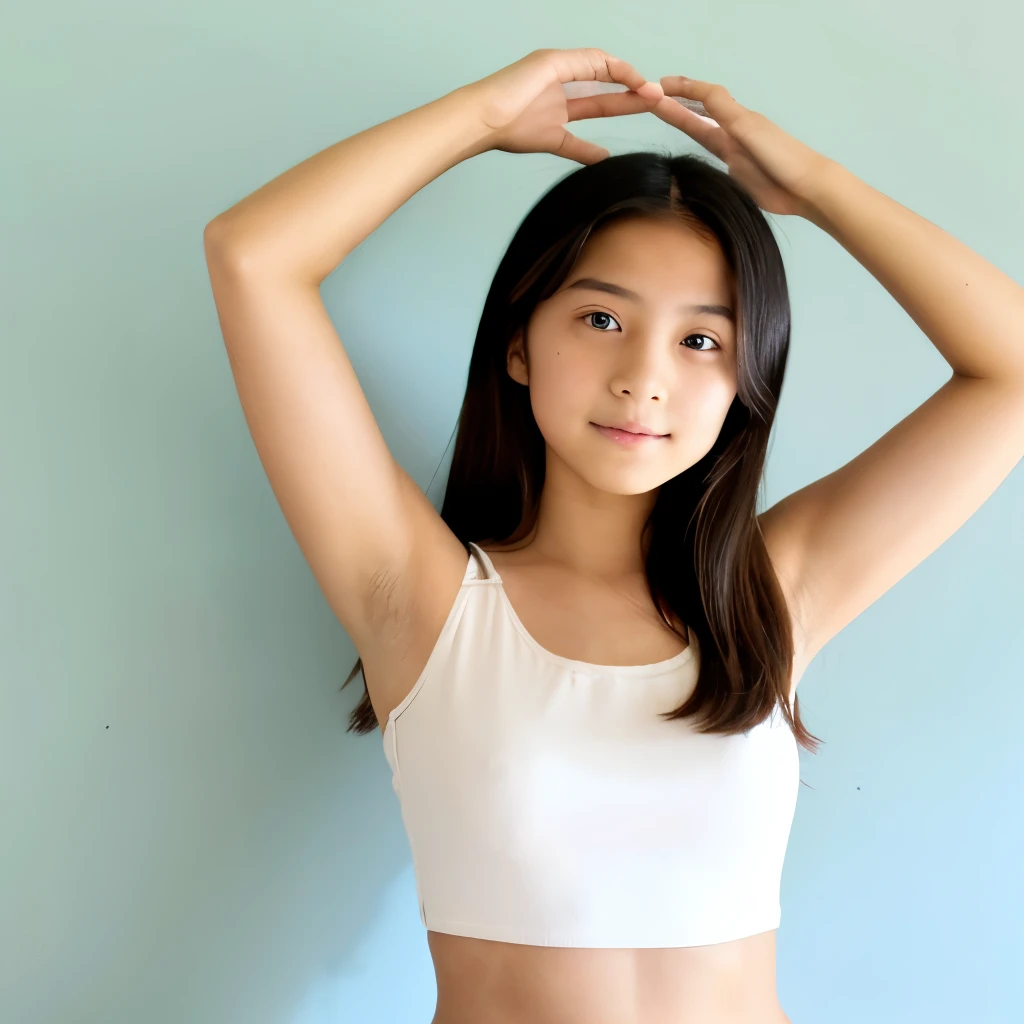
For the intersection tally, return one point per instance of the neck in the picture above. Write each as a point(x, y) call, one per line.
point(593, 532)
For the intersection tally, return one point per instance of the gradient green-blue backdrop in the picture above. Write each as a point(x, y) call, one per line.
point(189, 836)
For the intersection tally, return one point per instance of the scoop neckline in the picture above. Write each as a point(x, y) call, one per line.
point(650, 668)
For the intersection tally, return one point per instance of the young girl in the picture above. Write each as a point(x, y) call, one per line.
point(584, 667)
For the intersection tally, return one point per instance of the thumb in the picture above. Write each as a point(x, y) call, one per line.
point(583, 152)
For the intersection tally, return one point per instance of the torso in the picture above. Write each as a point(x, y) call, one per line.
point(485, 982)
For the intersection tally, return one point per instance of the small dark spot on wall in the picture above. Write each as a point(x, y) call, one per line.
point(858, 787)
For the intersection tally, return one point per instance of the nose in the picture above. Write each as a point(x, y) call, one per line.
point(642, 371)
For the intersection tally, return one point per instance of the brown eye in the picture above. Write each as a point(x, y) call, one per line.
point(707, 338)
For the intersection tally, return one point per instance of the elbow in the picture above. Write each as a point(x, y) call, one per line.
point(215, 236)
point(222, 248)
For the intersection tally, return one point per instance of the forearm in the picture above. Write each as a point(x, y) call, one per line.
point(304, 222)
point(969, 309)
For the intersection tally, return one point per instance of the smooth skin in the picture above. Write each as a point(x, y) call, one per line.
point(391, 568)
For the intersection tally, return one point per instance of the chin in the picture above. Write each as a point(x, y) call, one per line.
point(621, 480)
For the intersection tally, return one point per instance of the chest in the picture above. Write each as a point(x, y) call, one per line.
point(601, 623)
point(593, 622)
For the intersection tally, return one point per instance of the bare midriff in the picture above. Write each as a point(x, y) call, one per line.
point(480, 981)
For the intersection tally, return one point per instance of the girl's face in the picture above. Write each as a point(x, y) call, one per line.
point(598, 357)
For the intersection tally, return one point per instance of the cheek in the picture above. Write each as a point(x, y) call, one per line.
point(562, 391)
point(701, 417)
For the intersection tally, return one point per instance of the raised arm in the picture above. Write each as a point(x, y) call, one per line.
point(355, 513)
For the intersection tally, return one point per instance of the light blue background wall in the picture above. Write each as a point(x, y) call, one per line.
point(188, 832)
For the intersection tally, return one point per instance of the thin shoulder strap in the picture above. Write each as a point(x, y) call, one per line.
point(489, 571)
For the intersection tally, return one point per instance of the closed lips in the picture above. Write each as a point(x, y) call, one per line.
point(632, 429)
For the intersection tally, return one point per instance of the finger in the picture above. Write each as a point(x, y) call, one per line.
point(608, 105)
point(608, 68)
point(712, 137)
point(580, 150)
point(716, 101)
point(694, 106)
point(590, 63)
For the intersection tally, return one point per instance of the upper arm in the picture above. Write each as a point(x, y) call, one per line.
point(355, 513)
point(844, 540)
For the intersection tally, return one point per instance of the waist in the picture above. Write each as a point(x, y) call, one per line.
point(489, 982)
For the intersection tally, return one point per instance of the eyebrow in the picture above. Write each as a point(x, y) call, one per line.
point(593, 284)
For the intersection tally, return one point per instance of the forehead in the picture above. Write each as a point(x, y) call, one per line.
point(655, 254)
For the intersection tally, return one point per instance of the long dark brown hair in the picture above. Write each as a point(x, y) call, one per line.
point(706, 559)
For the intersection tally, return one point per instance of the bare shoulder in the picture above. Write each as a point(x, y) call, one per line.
point(408, 608)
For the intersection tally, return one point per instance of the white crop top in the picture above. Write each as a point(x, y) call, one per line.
point(546, 802)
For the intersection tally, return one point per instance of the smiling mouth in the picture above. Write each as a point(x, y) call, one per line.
point(627, 436)
point(638, 433)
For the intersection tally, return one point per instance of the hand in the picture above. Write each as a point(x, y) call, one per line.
point(525, 108)
point(776, 169)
